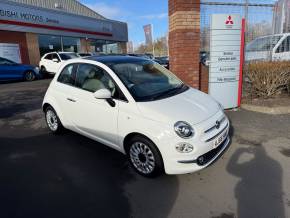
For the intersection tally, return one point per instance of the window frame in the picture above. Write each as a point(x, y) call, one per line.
point(73, 73)
point(57, 56)
point(281, 44)
point(121, 95)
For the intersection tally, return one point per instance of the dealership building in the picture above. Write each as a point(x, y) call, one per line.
point(38, 27)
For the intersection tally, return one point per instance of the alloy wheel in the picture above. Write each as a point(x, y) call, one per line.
point(142, 157)
point(51, 120)
point(29, 76)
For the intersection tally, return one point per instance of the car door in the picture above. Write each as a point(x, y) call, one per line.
point(55, 62)
point(94, 117)
point(46, 62)
point(8, 70)
point(62, 93)
point(282, 52)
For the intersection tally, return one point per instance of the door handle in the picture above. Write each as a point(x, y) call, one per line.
point(70, 99)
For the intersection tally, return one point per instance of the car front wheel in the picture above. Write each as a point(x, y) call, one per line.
point(52, 121)
point(145, 157)
point(29, 76)
point(43, 69)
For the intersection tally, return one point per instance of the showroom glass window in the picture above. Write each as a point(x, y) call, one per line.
point(112, 47)
point(98, 45)
point(104, 46)
point(71, 44)
point(49, 43)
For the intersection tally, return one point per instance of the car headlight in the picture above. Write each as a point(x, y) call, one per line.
point(183, 129)
point(36, 69)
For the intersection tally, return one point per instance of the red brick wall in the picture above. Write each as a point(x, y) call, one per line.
point(184, 40)
point(17, 38)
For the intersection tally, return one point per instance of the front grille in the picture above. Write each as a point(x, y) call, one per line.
point(216, 135)
point(221, 120)
point(207, 157)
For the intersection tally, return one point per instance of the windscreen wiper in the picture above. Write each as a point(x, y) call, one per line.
point(167, 92)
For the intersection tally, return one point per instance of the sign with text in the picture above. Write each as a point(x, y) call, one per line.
point(24, 18)
point(10, 52)
point(225, 47)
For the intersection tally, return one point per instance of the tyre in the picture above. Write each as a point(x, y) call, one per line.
point(43, 69)
point(144, 157)
point(29, 76)
point(53, 122)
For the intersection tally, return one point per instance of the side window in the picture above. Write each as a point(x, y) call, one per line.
point(55, 56)
point(4, 61)
point(284, 46)
point(67, 75)
point(48, 57)
point(92, 78)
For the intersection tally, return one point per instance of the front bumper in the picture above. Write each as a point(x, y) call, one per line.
point(205, 150)
point(210, 156)
point(190, 166)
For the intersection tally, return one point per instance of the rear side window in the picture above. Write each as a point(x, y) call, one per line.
point(67, 76)
point(285, 45)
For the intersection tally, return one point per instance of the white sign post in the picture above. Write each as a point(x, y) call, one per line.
point(225, 50)
point(10, 52)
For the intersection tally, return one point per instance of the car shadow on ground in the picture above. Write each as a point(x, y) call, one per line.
point(72, 176)
point(43, 175)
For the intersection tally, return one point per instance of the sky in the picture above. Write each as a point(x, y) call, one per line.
point(136, 13)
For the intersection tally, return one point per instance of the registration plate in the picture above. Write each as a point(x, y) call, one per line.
point(220, 139)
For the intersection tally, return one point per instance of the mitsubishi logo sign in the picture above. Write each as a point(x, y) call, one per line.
point(229, 21)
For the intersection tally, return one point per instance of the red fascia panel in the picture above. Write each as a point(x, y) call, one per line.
point(43, 26)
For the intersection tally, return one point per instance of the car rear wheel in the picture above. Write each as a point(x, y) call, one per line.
point(145, 157)
point(52, 121)
point(29, 76)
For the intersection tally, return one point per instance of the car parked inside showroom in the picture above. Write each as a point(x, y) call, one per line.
point(9, 70)
point(51, 62)
point(139, 108)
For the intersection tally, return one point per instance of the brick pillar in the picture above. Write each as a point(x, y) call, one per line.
point(184, 40)
point(123, 47)
point(33, 48)
point(85, 45)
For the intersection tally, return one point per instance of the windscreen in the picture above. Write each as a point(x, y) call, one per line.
point(147, 80)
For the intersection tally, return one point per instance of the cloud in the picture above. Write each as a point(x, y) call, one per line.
point(154, 16)
point(105, 10)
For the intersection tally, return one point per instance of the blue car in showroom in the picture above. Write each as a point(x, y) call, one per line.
point(10, 70)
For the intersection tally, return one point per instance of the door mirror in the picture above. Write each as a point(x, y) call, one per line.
point(103, 94)
point(55, 60)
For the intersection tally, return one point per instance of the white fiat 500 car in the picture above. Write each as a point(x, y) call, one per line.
point(51, 62)
point(139, 108)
